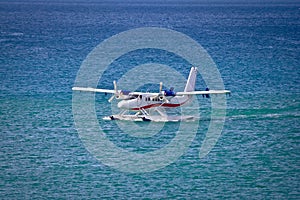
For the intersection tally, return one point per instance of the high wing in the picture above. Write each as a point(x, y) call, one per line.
point(89, 89)
point(204, 92)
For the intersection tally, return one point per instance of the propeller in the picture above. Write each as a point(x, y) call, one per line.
point(116, 92)
point(161, 95)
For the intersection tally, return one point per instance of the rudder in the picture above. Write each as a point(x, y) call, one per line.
point(191, 82)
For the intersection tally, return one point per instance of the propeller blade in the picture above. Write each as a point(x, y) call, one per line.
point(111, 98)
point(116, 92)
point(166, 100)
point(160, 87)
point(115, 87)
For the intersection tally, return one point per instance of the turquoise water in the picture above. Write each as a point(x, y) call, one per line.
point(256, 49)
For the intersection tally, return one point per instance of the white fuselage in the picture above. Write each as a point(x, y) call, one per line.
point(147, 101)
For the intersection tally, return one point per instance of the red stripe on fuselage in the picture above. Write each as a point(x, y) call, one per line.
point(169, 105)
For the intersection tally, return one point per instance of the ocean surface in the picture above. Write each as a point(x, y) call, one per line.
point(256, 47)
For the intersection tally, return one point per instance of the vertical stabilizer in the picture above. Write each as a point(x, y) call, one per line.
point(191, 82)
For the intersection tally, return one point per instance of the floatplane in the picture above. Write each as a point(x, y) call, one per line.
point(142, 102)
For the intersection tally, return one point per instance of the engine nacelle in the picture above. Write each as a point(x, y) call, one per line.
point(124, 95)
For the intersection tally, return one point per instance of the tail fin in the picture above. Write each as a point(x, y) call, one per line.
point(191, 82)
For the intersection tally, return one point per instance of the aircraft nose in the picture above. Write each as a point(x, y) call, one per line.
point(123, 104)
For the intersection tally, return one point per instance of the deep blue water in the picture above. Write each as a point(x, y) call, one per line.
point(256, 48)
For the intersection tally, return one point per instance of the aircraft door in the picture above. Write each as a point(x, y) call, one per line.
point(139, 100)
